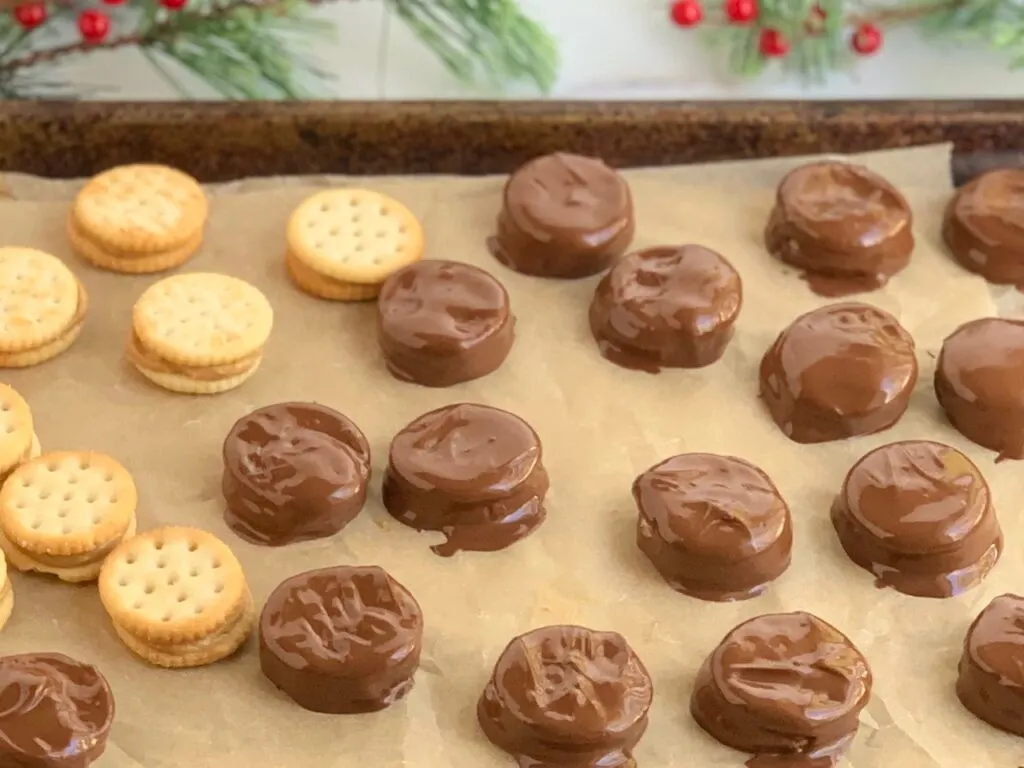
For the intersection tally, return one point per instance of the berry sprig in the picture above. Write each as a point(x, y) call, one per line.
point(93, 24)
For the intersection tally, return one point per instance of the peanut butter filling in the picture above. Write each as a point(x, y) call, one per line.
point(150, 361)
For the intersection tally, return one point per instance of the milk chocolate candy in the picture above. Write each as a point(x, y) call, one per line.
point(918, 515)
point(978, 384)
point(715, 527)
point(440, 323)
point(671, 307)
point(569, 697)
point(991, 679)
point(842, 370)
point(846, 227)
point(55, 712)
point(563, 216)
point(341, 640)
point(293, 472)
point(470, 471)
point(984, 226)
point(787, 687)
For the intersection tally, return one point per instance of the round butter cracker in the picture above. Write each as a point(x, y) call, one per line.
point(173, 584)
point(16, 435)
point(355, 235)
point(38, 298)
point(140, 209)
point(67, 503)
point(202, 319)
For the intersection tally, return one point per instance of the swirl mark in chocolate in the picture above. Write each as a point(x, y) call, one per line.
point(341, 640)
point(443, 322)
point(564, 216)
point(842, 370)
point(567, 696)
point(666, 307)
point(293, 472)
point(844, 225)
point(470, 471)
point(991, 674)
point(54, 711)
point(984, 226)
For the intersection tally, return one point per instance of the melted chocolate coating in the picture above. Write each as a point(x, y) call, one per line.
point(991, 680)
point(666, 307)
point(564, 216)
point(839, 371)
point(341, 640)
point(984, 226)
point(849, 229)
point(715, 527)
point(787, 687)
point(978, 383)
point(55, 712)
point(919, 516)
point(440, 323)
point(470, 471)
point(569, 697)
point(293, 472)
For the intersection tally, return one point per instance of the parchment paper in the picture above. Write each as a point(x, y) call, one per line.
point(601, 426)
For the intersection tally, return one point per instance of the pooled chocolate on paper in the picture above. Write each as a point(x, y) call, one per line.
point(564, 216)
point(55, 712)
point(470, 471)
point(991, 676)
point(978, 382)
point(667, 307)
point(567, 696)
point(918, 515)
point(843, 370)
point(440, 323)
point(341, 640)
point(984, 226)
point(715, 527)
point(293, 472)
point(786, 687)
point(845, 226)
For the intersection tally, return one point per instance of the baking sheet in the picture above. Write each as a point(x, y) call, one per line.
point(600, 425)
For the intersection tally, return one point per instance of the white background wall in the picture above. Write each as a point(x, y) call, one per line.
point(610, 49)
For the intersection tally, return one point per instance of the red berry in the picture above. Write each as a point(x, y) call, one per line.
point(867, 39)
point(174, 5)
point(93, 25)
point(30, 15)
point(687, 13)
point(741, 11)
point(773, 43)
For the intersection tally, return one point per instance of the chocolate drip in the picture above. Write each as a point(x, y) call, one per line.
point(470, 471)
point(842, 370)
point(293, 472)
point(671, 307)
point(569, 697)
point(564, 216)
point(848, 228)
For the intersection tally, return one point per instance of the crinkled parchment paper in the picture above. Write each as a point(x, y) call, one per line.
point(601, 426)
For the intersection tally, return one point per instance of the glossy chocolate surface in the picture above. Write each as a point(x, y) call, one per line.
point(440, 323)
point(715, 527)
point(293, 472)
point(842, 370)
point(563, 216)
point(984, 226)
point(55, 712)
point(341, 640)
point(787, 687)
point(918, 515)
point(991, 679)
point(671, 307)
point(846, 227)
point(978, 383)
point(569, 697)
point(470, 471)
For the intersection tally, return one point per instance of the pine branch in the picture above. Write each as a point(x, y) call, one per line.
point(492, 39)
